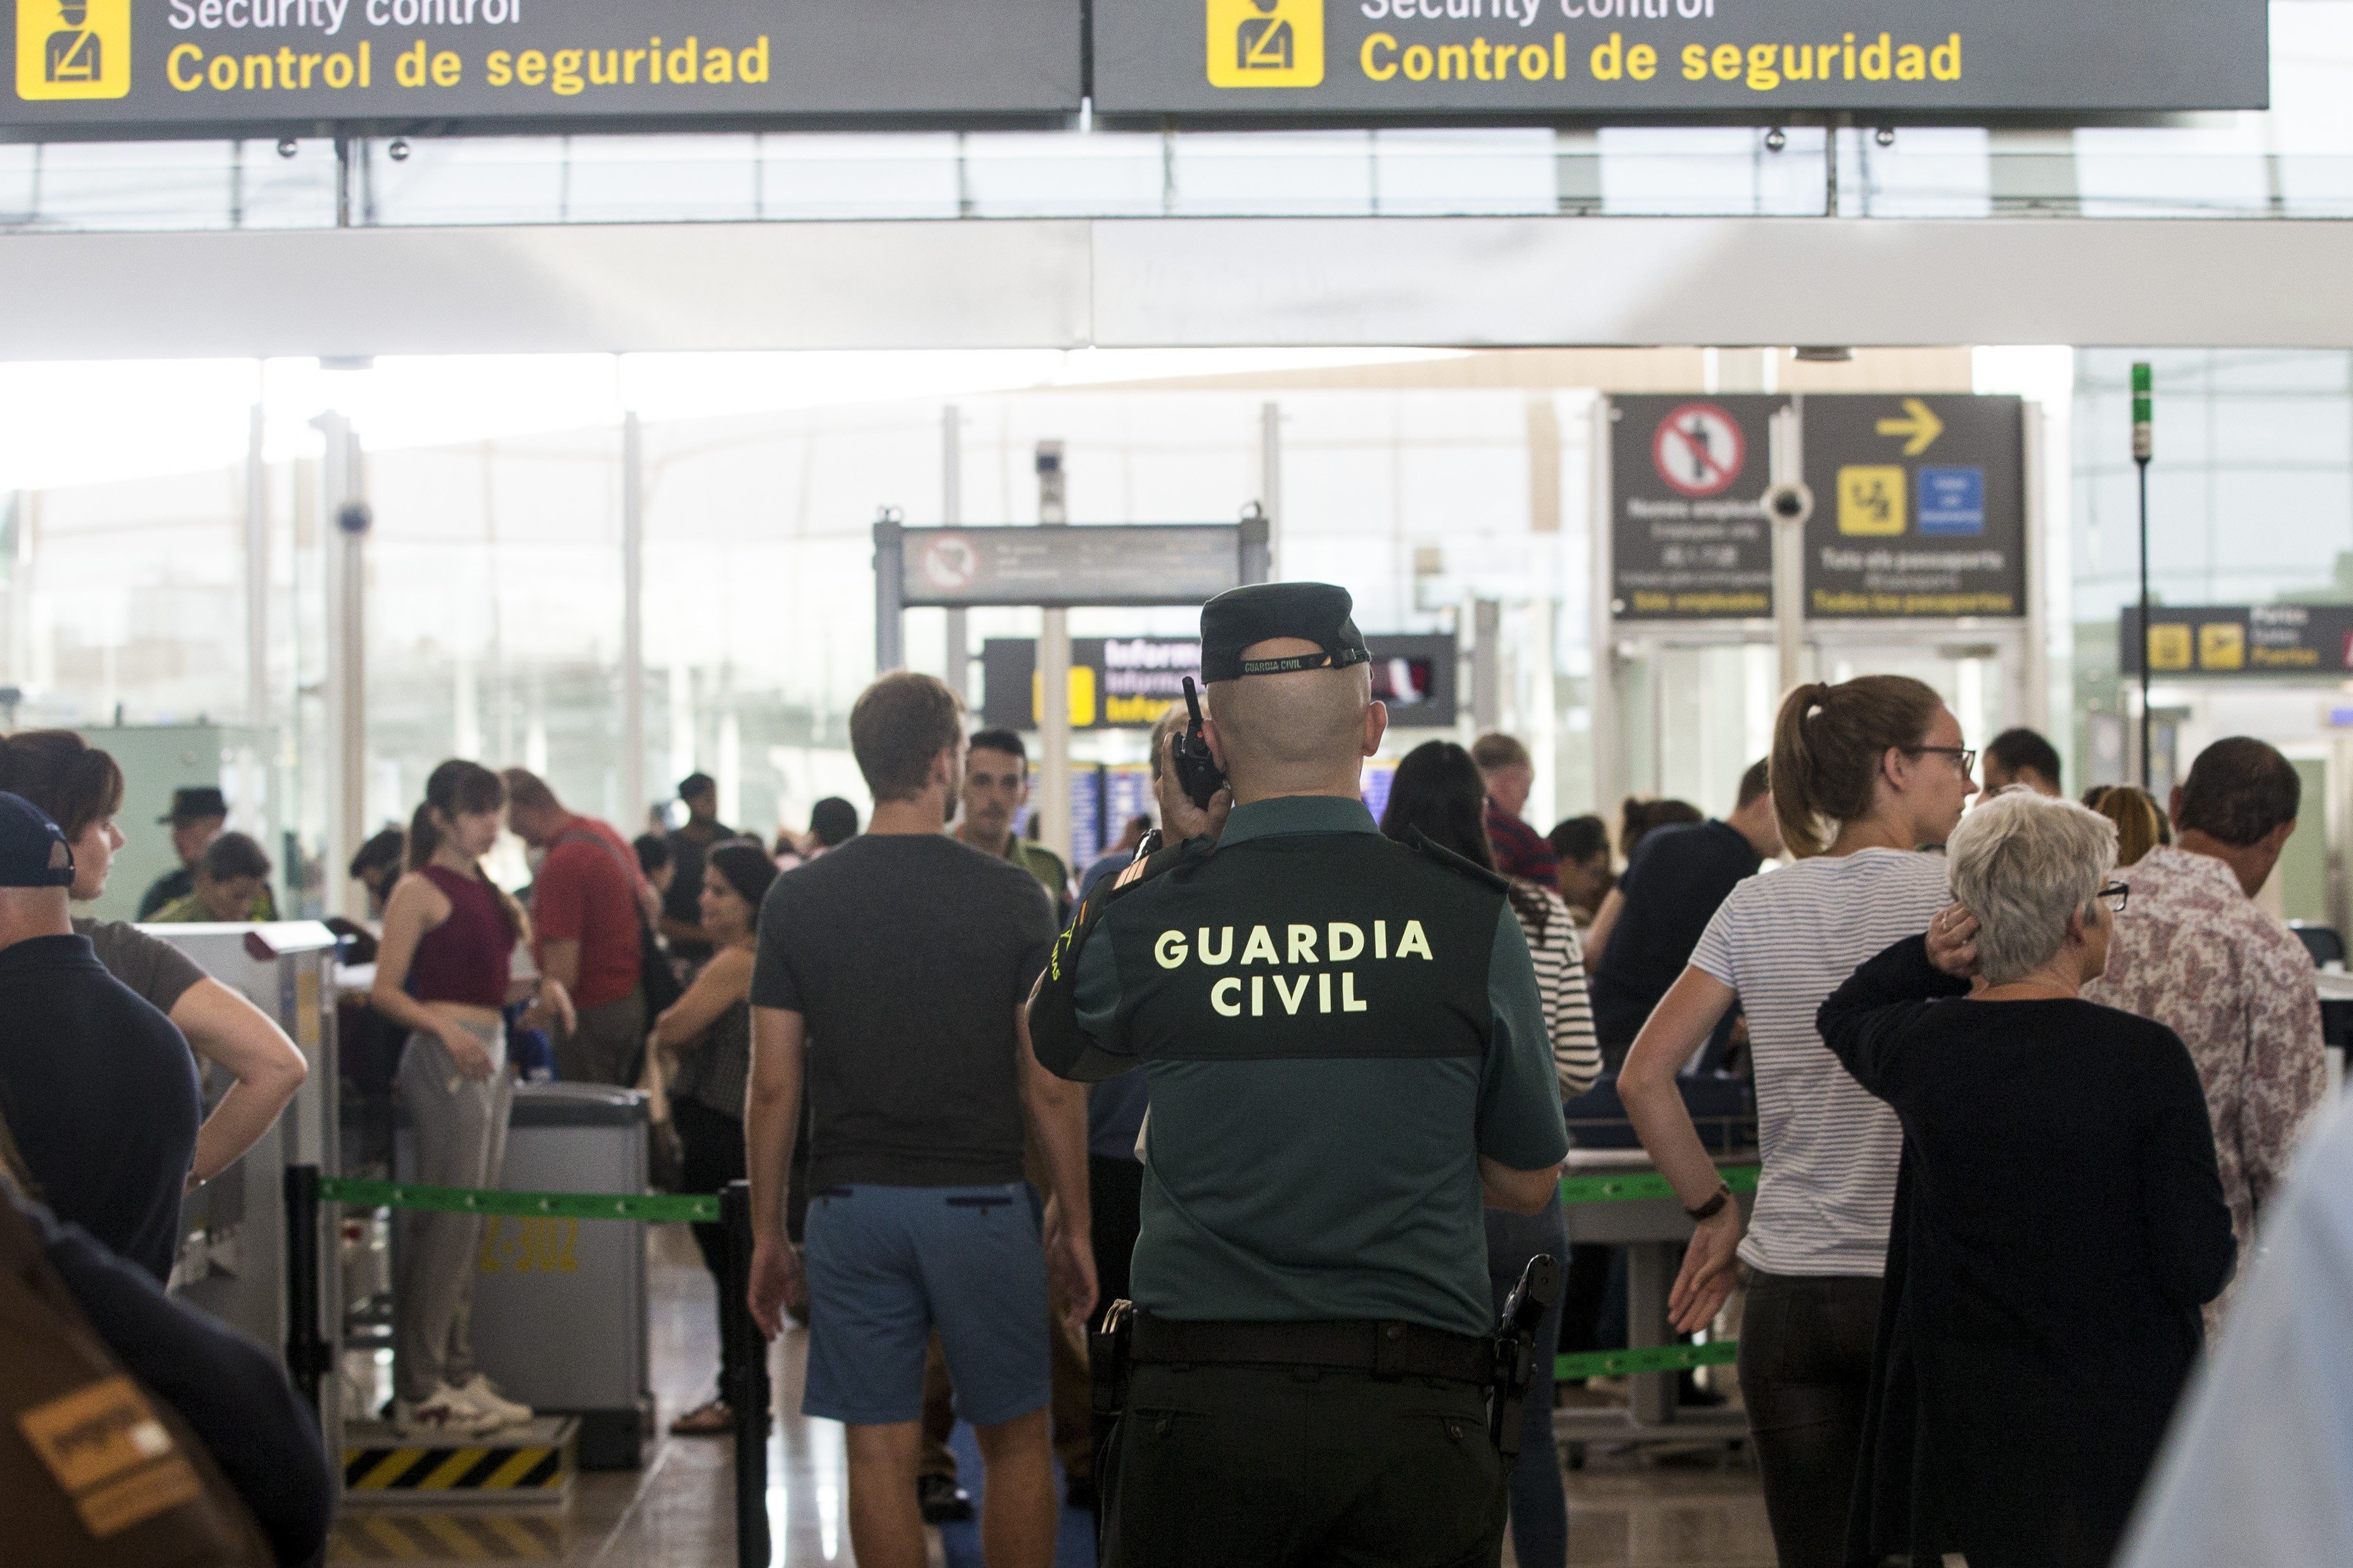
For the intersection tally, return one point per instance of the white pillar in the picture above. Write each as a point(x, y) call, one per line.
point(958, 660)
point(632, 783)
point(1050, 789)
point(346, 564)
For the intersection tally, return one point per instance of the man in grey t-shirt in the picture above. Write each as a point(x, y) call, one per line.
point(892, 974)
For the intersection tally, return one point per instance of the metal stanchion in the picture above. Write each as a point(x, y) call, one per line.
point(306, 1347)
point(744, 1373)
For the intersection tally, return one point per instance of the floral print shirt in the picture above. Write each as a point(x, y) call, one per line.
point(2192, 952)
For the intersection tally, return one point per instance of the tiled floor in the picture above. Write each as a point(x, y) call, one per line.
point(1625, 1510)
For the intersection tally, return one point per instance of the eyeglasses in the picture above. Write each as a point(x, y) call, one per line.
point(1966, 756)
point(2114, 895)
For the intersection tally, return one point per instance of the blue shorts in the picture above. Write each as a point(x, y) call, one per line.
point(887, 1266)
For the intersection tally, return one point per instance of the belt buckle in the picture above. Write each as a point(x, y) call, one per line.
point(1390, 1351)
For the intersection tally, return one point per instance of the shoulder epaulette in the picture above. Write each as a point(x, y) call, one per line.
point(1419, 842)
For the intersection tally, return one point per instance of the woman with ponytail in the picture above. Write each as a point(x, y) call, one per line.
point(443, 972)
point(1865, 774)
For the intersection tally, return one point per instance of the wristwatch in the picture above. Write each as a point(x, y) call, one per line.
point(1714, 1205)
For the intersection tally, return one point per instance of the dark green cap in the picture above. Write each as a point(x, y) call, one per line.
point(1314, 612)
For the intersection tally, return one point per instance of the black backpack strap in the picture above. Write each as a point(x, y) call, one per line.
point(1420, 843)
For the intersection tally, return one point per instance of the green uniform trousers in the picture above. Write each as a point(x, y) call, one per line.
point(1254, 1466)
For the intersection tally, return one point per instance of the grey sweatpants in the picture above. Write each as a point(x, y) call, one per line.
point(460, 1127)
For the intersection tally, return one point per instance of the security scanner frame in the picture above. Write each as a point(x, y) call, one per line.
point(252, 1254)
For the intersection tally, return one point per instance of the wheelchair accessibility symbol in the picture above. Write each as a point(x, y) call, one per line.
point(1266, 43)
point(73, 48)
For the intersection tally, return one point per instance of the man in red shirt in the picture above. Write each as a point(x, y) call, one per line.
point(1510, 774)
point(585, 908)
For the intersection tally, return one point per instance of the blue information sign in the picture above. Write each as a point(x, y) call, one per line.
point(1952, 500)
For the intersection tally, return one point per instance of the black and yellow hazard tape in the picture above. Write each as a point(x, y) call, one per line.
point(504, 1467)
point(468, 1537)
point(1634, 1185)
point(1649, 1358)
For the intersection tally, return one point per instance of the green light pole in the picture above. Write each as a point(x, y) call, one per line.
point(2144, 447)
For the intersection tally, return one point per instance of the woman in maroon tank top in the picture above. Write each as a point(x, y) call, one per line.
point(444, 972)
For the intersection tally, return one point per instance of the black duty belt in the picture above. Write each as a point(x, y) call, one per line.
point(1383, 1349)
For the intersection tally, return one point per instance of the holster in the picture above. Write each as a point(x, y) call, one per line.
point(1109, 1351)
point(1514, 1351)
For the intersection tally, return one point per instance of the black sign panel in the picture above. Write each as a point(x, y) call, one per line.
point(1688, 538)
point(1119, 683)
point(2235, 640)
point(1758, 59)
point(210, 66)
point(1919, 507)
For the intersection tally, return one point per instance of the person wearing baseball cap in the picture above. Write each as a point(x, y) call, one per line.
point(1353, 1023)
point(98, 1088)
point(681, 916)
point(198, 813)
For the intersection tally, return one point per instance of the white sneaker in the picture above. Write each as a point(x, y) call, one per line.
point(477, 1393)
point(444, 1412)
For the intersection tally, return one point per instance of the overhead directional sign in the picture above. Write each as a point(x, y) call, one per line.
point(1172, 564)
point(2238, 640)
point(1128, 683)
point(1920, 507)
point(1766, 58)
point(205, 66)
point(1926, 508)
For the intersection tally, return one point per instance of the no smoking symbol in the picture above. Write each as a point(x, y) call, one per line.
point(1698, 449)
point(951, 563)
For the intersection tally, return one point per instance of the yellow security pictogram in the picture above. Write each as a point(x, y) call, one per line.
point(2221, 644)
point(2168, 645)
point(1266, 43)
point(1870, 500)
point(73, 48)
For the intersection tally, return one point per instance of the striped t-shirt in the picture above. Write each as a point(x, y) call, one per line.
point(1785, 941)
point(1560, 960)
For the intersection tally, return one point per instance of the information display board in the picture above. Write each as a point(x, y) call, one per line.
point(1761, 58)
point(2236, 640)
point(1127, 682)
point(1689, 540)
point(210, 66)
point(1173, 564)
point(1919, 507)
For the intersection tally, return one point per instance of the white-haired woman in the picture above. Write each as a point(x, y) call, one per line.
point(2059, 1220)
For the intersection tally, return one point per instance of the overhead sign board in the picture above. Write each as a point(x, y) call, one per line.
point(1688, 538)
point(1128, 683)
point(203, 66)
point(1169, 563)
point(1919, 507)
point(2237, 640)
point(1768, 58)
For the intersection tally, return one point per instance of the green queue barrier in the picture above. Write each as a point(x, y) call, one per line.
point(663, 1208)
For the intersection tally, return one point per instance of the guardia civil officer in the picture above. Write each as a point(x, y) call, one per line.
point(1347, 1057)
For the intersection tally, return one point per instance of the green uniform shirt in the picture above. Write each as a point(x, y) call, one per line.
point(1047, 866)
point(1322, 1088)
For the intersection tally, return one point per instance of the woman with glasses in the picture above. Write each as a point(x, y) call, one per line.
point(2058, 1220)
point(1863, 774)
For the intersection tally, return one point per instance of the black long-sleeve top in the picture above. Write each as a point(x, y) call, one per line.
point(2059, 1220)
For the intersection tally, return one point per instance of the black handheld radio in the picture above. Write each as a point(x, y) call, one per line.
point(1197, 772)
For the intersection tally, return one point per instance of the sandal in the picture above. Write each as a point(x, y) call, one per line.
point(712, 1419)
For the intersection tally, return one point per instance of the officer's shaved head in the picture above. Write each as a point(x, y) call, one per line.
point(1299, 732)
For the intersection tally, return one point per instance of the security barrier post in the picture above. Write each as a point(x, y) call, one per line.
point(306, 1347)
point(744, 1376)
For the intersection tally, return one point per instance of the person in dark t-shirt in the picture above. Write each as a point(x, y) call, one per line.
point(1652, 919)
point(893, 971)
point(97, 1086)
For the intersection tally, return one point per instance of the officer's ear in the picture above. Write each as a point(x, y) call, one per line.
point(1216, 743)
point(1376, 725)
